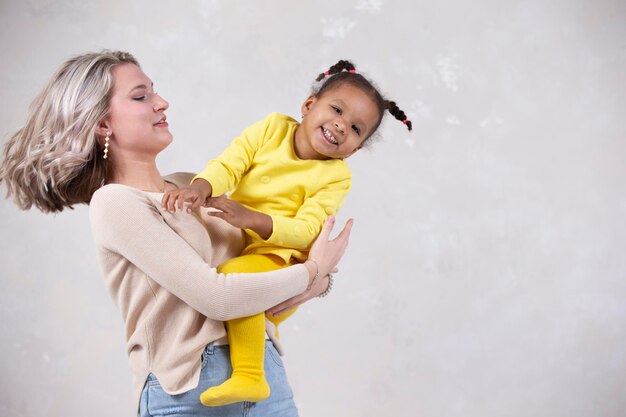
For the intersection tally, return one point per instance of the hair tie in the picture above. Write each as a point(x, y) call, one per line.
point(326, 72)
point(352, 71)
point(405, 121)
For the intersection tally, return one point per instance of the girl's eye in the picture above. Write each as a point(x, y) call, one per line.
point(356, 129)
point(140, 98)
point(337, 109)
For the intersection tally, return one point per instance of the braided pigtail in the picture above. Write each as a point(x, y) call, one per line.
point(396, 112)
point(344, 72)
point(337, 68)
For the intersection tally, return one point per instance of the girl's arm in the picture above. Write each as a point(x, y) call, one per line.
point(222, 173)
point(297, 232)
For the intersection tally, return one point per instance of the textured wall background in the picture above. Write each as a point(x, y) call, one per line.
point(486, 275)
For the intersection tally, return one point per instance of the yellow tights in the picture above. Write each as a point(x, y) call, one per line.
point(246, 337)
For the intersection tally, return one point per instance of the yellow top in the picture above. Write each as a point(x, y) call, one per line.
point(266, 175)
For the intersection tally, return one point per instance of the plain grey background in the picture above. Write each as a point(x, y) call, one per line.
point(486, 275)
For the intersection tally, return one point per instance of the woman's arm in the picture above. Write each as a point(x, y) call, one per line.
point(125, 222)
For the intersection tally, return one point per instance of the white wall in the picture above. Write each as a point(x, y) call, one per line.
point(486, 274)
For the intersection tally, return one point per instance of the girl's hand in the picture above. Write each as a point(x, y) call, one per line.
point(173, 200)
point(196, 194)
point(239, 216)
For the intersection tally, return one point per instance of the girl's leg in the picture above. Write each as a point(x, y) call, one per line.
point(246, 337)
point(280, 403)
point(216, 369)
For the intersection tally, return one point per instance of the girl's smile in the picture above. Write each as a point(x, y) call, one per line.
point(335, 124)
point(329, 136)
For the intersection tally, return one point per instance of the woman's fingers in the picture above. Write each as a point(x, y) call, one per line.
point(321, 242)
point(286, 305)
point(343, 238)
point(327, 228)
point(328, 252)
point(345, 232)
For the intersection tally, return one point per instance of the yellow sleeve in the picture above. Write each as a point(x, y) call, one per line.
point(225, 171)
point(300, 231)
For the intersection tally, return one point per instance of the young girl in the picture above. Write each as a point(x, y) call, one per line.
point(287, 178)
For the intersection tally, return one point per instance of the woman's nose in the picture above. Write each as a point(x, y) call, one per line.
point(161, 104)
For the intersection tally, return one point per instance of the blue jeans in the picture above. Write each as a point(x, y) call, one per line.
point(215, 370)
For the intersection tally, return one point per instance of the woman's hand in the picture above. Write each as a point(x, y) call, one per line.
point(318, 287)
point(326, 254)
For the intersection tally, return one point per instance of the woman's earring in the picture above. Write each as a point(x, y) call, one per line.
point(106, 145)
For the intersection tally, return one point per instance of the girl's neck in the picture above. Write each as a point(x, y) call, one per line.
point(142, 175)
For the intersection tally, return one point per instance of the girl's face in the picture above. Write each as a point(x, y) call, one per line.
point(136, 117)
point(335, 124)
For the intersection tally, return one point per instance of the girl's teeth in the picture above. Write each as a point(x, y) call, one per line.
point(329, 136)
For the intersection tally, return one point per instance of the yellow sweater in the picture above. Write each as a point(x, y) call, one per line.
point(262, 168)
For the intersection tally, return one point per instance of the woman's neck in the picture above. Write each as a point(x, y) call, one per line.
point(138, 174)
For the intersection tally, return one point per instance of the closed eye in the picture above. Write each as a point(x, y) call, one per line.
point(356, 129)
point(337, 109)
point(140, 98)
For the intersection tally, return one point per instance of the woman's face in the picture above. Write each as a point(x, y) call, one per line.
point(136, 117)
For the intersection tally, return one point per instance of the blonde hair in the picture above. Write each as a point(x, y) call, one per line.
point(55, 160)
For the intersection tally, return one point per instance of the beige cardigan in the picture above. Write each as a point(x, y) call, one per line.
point(159, 270)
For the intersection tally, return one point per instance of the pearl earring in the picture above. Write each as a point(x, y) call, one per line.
point(106, 145)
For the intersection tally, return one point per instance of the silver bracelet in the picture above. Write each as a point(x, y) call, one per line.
point(330, 287)
point(317, 272)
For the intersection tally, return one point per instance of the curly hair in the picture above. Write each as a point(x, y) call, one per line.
point(344, 72)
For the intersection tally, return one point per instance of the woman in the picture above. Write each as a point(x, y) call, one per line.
point(92, 137)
